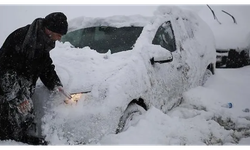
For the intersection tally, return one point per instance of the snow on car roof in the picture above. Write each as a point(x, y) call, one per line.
point(115, 21)
point(125, 20)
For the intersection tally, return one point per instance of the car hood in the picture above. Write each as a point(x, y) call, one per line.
point(92, 117)
point(86, 66)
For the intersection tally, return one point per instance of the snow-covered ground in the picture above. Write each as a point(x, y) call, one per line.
point(199, 120)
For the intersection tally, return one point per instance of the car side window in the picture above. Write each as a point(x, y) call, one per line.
point(165, 37)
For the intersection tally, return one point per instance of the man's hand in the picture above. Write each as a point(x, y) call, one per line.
point(61, 90)
point(24, 107)
point(58, 89)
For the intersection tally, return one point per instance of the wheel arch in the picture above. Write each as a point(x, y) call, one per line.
point(122, 119)
point(211, 67)
point(140, 101)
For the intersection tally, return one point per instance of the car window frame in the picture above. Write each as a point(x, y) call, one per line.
point(159, 39)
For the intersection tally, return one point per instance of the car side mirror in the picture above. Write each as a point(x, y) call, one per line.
point(166, 58)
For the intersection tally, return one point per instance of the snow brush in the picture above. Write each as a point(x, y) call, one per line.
point(73, 98)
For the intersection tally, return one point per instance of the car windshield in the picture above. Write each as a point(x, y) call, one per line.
point(104, 38)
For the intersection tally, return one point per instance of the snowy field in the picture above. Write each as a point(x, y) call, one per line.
point(199, 120)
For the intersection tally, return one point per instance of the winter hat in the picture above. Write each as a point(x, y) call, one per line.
point(56, 22)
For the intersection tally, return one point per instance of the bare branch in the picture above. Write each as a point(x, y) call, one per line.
point(230, 15)
point(214, 14)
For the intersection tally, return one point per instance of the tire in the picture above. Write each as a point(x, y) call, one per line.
point(208, 73)
point(130, 117)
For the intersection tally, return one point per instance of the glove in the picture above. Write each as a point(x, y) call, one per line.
point(58, 89)
point(61, 90)
point(24, 107)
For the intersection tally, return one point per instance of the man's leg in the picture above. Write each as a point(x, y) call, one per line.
point(20, 126)
point(14, 125)
point(9, 87)
point(11, 126)
point(5, 129)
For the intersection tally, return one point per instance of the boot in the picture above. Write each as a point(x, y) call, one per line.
point(33, 140)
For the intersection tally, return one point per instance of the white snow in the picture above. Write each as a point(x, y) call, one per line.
point(192, 123)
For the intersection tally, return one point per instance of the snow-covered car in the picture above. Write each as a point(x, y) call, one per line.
point(125, 65)
point(230, 27)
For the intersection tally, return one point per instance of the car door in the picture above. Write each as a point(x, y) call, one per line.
point(169, 75)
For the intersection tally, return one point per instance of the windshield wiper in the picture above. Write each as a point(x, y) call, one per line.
point(230, 15)
point(214, 14)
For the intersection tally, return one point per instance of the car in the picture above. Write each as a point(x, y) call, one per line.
point(230, 27)
point(124, 65)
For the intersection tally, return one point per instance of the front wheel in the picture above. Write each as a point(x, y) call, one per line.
point(131, 117)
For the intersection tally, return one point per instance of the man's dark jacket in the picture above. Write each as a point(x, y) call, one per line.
point(26, 51)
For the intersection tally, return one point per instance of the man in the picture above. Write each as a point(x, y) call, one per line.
point(24, 57)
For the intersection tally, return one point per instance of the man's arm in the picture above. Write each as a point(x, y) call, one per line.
point(49, 76)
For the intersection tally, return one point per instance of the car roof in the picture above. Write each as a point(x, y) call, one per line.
point(114, 21)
